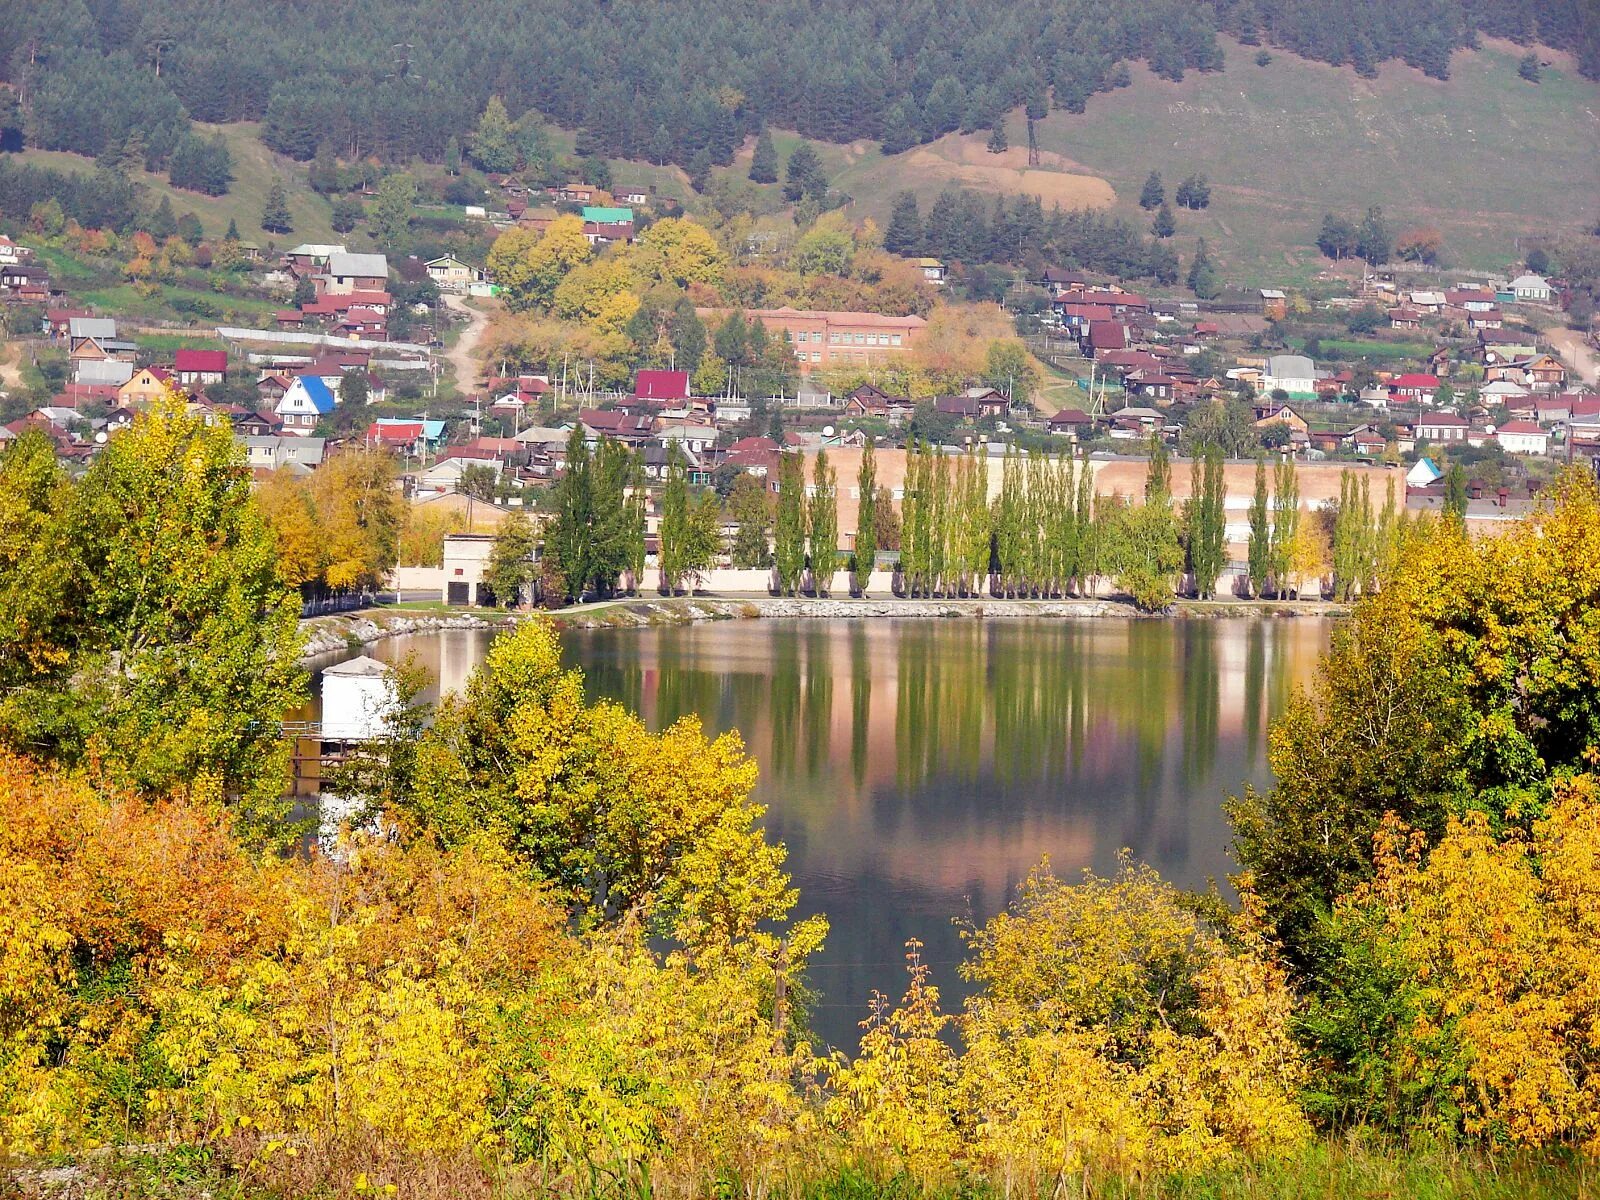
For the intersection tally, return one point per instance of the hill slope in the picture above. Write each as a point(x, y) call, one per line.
point(1484, 156)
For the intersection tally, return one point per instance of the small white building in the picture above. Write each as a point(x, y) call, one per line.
point(1424, 473)
point(466, 561)
point(359, 698)
point(1294, 373)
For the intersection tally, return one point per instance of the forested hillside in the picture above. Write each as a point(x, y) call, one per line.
point(681, 82)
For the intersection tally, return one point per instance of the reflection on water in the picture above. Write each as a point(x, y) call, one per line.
point(917, 769)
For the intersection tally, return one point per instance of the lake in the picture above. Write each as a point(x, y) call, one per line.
point(917, 769)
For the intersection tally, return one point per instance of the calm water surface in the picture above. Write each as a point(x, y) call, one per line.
point(918, 769)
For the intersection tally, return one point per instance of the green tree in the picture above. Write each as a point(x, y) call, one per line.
point(673, 556)
point(144, 626)
point(1285, 523)
point(353, 391)
point(511, 567)
point(789, 549)
point(1151, 552)
point(1337, 238)
point(1206, 522)
point(764, 160)
point(997, 143)
point(493, 145)
point(1164, 225)
point(1455, 495)
point(275, 216)
point(904, 234)
point(866, 552)
point(1203, 280)
point(1153, 195)
point(1374, 242)
point(392, 210)
point(1260, 549)
point(803, 177)
point(452, 155)
point(749, 507)
point(1528, 67)
point(824, 522)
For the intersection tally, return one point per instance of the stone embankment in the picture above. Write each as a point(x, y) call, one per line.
point(326, 635)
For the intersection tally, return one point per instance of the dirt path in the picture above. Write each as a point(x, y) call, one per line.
point(10, 366)
point(1576, 353)
point(461, 356)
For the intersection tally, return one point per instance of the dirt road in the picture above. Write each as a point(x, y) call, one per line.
point(10, 366)
point(462, 356)
point(1577, 354)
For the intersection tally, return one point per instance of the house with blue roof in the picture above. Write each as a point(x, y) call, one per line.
point(307, 400)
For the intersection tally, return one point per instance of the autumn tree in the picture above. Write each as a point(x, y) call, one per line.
point(529, 266)
point(360, 512)
point(144, 624)
point(823, 519)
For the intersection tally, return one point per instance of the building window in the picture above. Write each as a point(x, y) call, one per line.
point(816, 356)
point(894, 339)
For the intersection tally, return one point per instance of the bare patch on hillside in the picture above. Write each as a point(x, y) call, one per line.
point(960, 161)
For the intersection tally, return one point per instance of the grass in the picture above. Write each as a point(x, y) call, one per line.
point(255, 169)
point(1353, 348)
point(1484, 157)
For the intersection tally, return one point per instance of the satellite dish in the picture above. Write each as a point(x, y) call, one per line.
point(100, 438)
point(827, 431)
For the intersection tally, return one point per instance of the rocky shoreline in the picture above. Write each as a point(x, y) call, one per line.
point(327, 635)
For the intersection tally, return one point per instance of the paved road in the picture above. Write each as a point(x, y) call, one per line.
point(462, 356)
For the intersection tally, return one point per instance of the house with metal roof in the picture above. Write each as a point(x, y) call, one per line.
point(355, 273)
point(307, 401)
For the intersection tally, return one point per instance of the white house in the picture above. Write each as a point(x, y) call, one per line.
point(450, 274)
point(1531, 289)
point(306, 402)
point(1294, 373)
point(1522, 437)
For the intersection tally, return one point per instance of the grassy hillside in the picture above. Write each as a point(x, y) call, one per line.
point(1484, 156)
point(254, 170)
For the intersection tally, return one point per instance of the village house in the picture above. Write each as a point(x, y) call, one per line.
point(1523, 437)
point(407, 435)
point(1274, 413)
point(932, 269)
point(662, 386)
point(1505, 345)
point(630, 428)
point(346, 273)
point(200, 368)
point(300, 454)
point(1530, 289)
point(308, 400)
point(1441, 427)
point(870, 401)
point(1413, 388)
point(1274, 304)
point(1294, 374)
point(145, 387)
point(450, 274)
point(1073, 421)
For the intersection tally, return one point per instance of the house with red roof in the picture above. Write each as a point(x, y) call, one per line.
point(199, 368)
point(1413, 388)
point(1522, 437)
point(662, 385)
point(1103, 336)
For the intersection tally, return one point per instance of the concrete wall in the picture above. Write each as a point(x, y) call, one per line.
point(417, 579)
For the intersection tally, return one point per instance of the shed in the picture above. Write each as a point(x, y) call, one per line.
point(358, 700)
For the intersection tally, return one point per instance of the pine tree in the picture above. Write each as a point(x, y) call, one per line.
point(163, 223)
point(1153, 194)
point(1164, 226)
point(764, 161)
point(866, 519)
point(803, 176)
point(275, 216)
point(1260, 551)
point(493, 145)
point(452, 155)
point(233, 231)
point(1374, 243)
point(997, 143)
point(790, 533)
point(904, 234)
point(824, 513)
point(1203, 281)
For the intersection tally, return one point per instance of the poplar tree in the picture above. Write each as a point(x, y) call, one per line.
point(674, 524)
point(1260, 555)
point(1285, 523)
point(866, 552)
point(748, 506)
point(790, 534)
point(1206, 522)
point(975, 523)
point(1083, 518)
point(824, 525)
